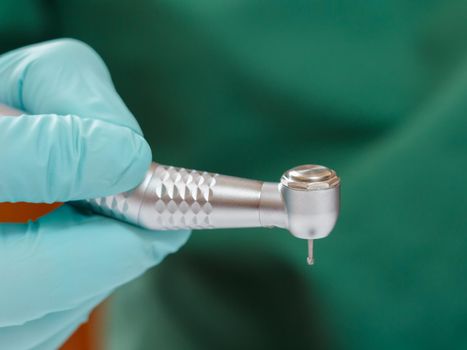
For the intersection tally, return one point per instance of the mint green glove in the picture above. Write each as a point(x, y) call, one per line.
point(53, 272)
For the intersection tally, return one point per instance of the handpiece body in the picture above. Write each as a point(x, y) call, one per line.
point(306, 201)
point(174, 198)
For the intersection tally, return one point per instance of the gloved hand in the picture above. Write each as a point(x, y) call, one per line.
point(53, 272)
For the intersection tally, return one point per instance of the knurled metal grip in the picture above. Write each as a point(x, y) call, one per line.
point(173, 198)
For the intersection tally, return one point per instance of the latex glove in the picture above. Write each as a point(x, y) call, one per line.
point(54, 271)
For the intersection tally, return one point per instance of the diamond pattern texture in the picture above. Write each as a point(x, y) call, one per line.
point(115, 206)
point(178, 198)
point(182, 197)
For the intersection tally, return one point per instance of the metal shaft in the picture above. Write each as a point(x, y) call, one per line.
point(173, 198)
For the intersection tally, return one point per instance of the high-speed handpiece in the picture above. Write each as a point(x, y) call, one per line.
point(305, 201)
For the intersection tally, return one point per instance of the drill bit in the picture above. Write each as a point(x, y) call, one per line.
point(310, 260)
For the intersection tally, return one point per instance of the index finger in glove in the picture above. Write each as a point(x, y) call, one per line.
point(63, 76)
point(93, 147)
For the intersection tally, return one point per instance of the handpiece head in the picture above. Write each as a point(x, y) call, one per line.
point(311, 199)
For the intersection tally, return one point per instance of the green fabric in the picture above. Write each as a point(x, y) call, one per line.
point(376, 90)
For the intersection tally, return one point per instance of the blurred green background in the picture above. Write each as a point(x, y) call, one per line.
point(376, 90)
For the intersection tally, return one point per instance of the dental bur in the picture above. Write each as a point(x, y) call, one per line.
point(305, 201)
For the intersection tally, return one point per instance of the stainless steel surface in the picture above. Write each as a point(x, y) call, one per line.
point(311, 195)
point(310, 177)
point(310, 258)
point(306, 201)
point(171, 198)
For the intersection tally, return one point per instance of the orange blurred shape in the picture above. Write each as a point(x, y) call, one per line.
point(89, 335)
point(21, 212)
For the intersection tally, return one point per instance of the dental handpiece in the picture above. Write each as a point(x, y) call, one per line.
point(305, 201)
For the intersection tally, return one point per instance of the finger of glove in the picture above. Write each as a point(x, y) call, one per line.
point(60, 158)
point(63, 77)
point(50, 331)
point(68, 257)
